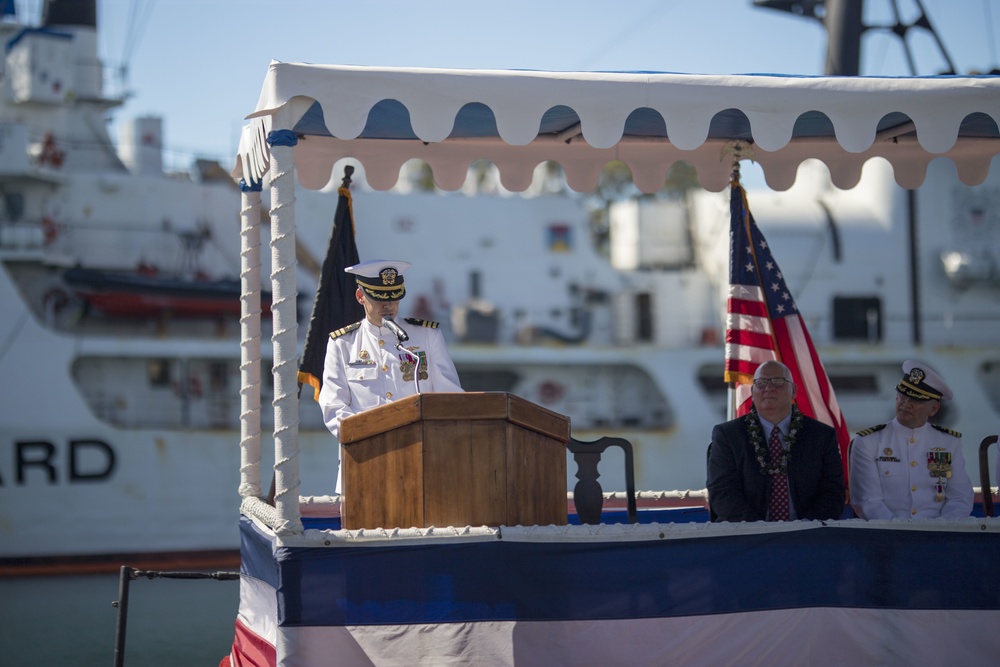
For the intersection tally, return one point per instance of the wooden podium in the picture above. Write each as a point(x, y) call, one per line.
point(469, 459)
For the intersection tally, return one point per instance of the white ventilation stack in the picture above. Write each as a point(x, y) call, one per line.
point(140, 145)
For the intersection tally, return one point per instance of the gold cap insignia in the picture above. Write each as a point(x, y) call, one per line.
point(388, 276)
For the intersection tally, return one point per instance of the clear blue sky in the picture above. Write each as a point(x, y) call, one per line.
point(200, 63)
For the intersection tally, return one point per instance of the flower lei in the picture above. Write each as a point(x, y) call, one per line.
point(760, 448)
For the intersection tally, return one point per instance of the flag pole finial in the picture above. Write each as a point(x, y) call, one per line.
point(737, 150)
point(346, 181)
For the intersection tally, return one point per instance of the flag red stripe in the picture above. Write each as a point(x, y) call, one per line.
point(740, 366)
point(751, 338)
point(745, 307)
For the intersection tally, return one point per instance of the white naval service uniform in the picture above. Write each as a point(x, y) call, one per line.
point(363, 369)
point(890, 474)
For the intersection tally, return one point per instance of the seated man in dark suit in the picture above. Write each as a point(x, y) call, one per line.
point(774, 463)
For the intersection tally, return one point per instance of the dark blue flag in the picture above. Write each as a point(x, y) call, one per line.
point(335, 305)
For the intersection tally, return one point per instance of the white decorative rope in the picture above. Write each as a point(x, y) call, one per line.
point(284, 318)
point(250, 345)
point(697, 496)
point(639, 532)
point(255, 508)
point(379, 536)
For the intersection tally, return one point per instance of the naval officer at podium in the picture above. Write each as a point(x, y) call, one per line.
point(377, 360)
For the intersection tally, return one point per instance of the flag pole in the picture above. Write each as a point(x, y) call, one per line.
point(738, 150)
point(734, 180)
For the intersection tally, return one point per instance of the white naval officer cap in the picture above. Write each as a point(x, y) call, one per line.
point(922, 382)
point(381, 279)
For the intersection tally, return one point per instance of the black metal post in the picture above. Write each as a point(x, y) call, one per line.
point(844, 26)
point(127, 575)
point(122, 604)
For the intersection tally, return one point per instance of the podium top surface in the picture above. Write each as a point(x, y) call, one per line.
point(469, 406)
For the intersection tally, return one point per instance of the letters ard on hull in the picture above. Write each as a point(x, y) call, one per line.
point(86, 460)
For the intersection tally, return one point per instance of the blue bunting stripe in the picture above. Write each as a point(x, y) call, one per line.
point(834, 566)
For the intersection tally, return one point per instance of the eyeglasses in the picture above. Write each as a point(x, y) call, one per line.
point(777, 383)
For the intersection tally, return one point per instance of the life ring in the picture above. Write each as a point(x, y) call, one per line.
point(49, 229)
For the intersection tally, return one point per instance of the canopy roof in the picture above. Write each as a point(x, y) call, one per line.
point(383, 117)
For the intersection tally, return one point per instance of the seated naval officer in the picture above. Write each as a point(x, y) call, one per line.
point(375, 361)
point(909, 467)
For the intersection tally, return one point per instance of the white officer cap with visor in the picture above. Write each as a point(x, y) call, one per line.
point(922, 382)
point(381, 279)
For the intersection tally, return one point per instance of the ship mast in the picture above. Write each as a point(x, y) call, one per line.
point(844, 24)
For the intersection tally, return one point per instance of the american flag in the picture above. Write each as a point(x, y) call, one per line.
point(763, 323)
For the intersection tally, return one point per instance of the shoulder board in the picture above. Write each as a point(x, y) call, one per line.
point(416, 321)
point(871, 429)
point(344, 330)
point(947, 430)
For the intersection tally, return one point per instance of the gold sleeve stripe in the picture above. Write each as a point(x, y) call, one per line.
point(871, 429)
point(422, 323)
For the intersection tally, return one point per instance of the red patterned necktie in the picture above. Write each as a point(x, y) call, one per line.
point(777, 509)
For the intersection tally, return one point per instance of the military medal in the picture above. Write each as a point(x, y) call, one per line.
point(423, 365)
point(363, 360)
point(939, 496)
point(406, 367)
point(939, 465)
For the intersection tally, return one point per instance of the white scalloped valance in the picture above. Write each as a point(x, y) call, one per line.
point(383, 117)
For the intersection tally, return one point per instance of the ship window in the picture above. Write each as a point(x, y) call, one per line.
point(710, 379)
point(644, 317)
point(857, 318)
point(592, 396)
point(218, 373)
point(487, 379)
point(14, 203)
point(475, 284)
point(158, 371)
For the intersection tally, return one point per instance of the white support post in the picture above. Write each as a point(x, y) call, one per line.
point(284, 316)
point(250, 365)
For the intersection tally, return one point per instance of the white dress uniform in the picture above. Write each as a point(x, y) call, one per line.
point(363, 369)
point(912, 473)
